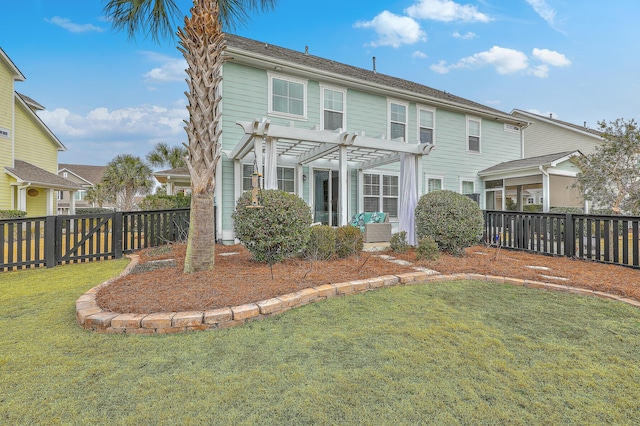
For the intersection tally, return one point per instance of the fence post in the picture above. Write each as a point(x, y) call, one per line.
point(50, 242)
point(569, 236)
point(117, 235)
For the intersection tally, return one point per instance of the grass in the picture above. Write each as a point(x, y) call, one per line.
point(451, 353)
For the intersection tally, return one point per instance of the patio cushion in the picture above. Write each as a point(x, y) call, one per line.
point(361, 219)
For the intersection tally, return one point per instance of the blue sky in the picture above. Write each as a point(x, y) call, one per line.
point(107, 95)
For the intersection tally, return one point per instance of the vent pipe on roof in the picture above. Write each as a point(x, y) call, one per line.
point(374, 65)
point(550, 115)
point(306, 50)
point(585, 124)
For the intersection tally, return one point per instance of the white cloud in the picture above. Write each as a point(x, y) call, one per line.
point(468, 36)
point(170, 69)
point(551, 57)
point(507, 61)
point(73, 27)
point(446, 10)
point(418, 54)
point(540, 71)
point(101, 134)
point(394, 30)
point(545, 11)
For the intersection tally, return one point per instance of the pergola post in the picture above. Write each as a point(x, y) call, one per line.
point(343, 186)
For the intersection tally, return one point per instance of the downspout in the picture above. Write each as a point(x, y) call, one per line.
point(545, 189)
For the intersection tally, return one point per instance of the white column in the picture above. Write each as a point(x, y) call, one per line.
point(343, 189)
point(50, 201)
point(22, 198)
point(72, 202)
point(419, 177)
point(271, 164)
point(257, 147)
point(300, 181)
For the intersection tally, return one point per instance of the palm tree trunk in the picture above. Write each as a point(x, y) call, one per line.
point(202, 44)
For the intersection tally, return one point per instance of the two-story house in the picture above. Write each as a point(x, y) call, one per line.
point(87, 176)
point(347, 139)
point(546, 173)
point(28, 151)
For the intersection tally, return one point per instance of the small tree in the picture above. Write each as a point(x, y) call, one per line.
point(125, 177)
point(610, 176)
point(164, 155)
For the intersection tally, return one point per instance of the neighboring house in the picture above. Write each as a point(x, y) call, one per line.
point(546, 174)
point(28, 151)
point(175, 180)
point(346, 139)
point(85, 176)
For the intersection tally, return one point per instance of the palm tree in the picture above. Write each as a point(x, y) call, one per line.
point(164, 155)
point(202, 44)
point(125, 177)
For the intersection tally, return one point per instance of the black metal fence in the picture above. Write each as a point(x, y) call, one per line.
point(53, 240)
point(601, 238)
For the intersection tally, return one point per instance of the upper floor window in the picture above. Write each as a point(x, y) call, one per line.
point(80, 195)
point(333, 107)
point(397, 121)
point(473, 134)
point(287, 96)
point(426, 120)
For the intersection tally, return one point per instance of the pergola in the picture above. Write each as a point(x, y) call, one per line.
point(269, 145)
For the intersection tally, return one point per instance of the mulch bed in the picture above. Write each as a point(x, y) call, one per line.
point(238, 279)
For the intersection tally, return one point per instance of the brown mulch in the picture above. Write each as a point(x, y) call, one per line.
point(238, 279)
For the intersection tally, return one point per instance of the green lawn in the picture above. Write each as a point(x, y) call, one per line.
point(449, 353)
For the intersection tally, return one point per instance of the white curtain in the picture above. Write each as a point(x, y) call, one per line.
point(271, 165)
point(408, 197)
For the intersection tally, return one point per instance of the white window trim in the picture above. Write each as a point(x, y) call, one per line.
point(468, 179)
point(381, 196)
point(479, 120)
point(433, 111)
point(426, 181)
point(406, 123)
point(344, 104)
point(270, 111)
point(287, 166)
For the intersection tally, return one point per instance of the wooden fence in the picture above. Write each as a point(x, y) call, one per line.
point(600, 238)
point(54, 240)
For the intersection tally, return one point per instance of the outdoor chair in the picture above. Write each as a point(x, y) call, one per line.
point(375, 226)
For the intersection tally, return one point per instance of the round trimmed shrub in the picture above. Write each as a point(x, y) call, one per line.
point(322, 243)
point(278, 230)
point(349, 240)
point(453, 220)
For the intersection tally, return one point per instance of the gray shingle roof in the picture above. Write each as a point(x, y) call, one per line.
point(582, 128)
point(92, 174)
point(526, 163)
point(322, 64)
point(31, 102)
point(29, 173)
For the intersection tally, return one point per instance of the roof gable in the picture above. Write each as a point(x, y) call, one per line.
point(26, 172)
point(530, 163)
point(4, 59)
point(31, 113)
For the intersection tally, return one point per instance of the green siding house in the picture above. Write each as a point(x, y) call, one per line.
point(28, 151)
point(346, 139)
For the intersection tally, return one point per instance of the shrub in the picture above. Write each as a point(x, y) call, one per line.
point(93, 210)
point(453, 220)
point(277, 230)
point(349, 241)
point(164, 202)
point(532, 208)
point(12, 214)
point(427, 249)
point(399, 243)
point(322, 243)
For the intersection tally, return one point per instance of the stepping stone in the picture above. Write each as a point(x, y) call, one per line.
point(551, 277)
point(231, 253)
point(385, 256)
point(543, 268)
point(400, 262)
point(426, 270)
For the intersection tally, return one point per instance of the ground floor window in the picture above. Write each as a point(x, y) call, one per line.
point(467, 187)
point(434, 184)
point(286, 178)
point(380, 193)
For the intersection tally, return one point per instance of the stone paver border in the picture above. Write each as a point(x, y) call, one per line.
point(90, 316)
